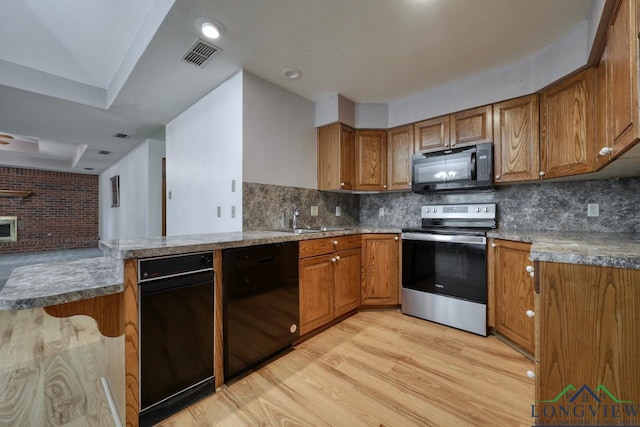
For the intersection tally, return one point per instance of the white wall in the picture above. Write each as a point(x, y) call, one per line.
point(140, 210)
point(279, 136)
point(204, 155)
point(371, 116)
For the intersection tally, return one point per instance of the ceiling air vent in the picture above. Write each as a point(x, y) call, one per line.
point(121, 135)
point(200, 53)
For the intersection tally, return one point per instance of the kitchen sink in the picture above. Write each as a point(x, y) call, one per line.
point(312, 229)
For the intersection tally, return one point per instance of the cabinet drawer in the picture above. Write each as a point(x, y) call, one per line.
point(315, 247)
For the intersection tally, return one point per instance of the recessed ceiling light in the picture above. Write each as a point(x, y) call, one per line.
point(121, 135)
point(210, 30)
point(104, 152)
point(88, 169)
point(291, 73)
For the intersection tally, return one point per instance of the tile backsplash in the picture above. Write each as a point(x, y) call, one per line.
point(558, 206)
point(268, 207)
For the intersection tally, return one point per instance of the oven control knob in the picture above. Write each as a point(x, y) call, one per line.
point(428, 210)
point(478, 209)
point(486, 209)
point(435, 210)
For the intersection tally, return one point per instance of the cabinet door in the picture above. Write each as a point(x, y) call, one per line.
point(623, 69)
point(400, 150)
point(336, 157)
point(515, 131)
point(471, 126)
point(603, 136)
point(347, 281)
point(371, 152)
point(316, 292)
point(432, 134)
point(567, 127)
point(380, 269)
point(514, 293)
point(589, 321)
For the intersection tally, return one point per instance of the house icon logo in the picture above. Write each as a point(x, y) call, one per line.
point(585, 406)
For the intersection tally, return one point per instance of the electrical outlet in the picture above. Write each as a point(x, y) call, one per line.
point(219, 211)
point(381, 212)
point(233, 211)
point(338, 211)
point(233, 185)
point(593, 209)
point(314, 211)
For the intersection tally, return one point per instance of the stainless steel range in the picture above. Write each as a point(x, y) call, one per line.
point(444, 266)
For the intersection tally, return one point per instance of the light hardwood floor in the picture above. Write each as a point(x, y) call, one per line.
point(378, 368)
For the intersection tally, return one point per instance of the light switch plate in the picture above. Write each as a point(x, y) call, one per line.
point(233, 185)
point(593, 209)
point(219, 211)
point(338, 211)
point(381, 212)
point(314, 211)
point(233, 211)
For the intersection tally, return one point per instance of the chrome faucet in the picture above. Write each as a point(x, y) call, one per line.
point(294, 222)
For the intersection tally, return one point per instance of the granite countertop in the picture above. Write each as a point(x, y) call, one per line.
point(173, 245)
point(620, 250)
point(41, 285)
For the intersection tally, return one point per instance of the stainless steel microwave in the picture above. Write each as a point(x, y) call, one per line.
point(455, 169)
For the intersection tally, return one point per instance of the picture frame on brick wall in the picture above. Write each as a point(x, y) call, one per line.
point(115, 191)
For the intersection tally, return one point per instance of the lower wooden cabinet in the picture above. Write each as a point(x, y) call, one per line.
point(513, 292)
point(329, 283)
point(380, 269)
point(588, 345)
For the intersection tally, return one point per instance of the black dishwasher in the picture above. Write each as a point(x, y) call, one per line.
point(176, 333)
point(261, 309)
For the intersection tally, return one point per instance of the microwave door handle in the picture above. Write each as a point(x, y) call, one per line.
point(474, 171)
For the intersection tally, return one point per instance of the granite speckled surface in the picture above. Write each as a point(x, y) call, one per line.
point(42, 285)
point(267, 207)
point(620, 250)
point(173, 245)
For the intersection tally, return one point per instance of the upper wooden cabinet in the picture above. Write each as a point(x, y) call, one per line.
point(618, 75)
point(380, 269)
point(471, 127)
point(399, 152)
point(432, 134)
point(371, 160)
point(513, 292)
point(567, 127)
point(515, 132)
point(603, 137)
point(455, 130)
point(336, 157)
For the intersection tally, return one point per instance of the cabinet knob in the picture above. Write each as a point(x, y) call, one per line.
point(605, 150)
point(530, 269)
point(497, 176)
point(384, 186)
point(541, 173)
point(342, 184)
point(446, 144)
point(333, 260)
point(395, 238)
point(531, 374)
point(335, 242)
point(532, 274)
point(453, 144)
point(337, 257)
point(530, 313)
point(493, 245)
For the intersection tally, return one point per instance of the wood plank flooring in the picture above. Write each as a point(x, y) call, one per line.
point(378, 368)
point(50, 371)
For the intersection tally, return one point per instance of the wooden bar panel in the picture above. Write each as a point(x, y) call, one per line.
point(131, 343)
point(218, 344)
point(106, 310)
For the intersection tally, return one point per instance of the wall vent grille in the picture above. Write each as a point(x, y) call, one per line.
point(200, 53)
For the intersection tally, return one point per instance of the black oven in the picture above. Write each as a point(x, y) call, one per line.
point(444, 266)
point(454, 169)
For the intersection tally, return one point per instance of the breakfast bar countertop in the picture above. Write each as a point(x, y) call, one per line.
point(619, 250)
point(41, 285)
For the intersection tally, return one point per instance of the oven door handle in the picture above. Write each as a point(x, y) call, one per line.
point(472, 240)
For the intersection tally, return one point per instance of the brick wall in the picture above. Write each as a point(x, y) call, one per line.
point(62, 212)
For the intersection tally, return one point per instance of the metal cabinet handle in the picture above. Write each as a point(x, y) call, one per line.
point(605, 150)
point(497, 176)
point(530, 313)
point(338, 257)
point(530, 269)
point(342, 184)
point(541, 173)
point(531, 374)
point(333, 260)
point(335, 242)
point(493, 245)
point(384, 186)
point(395, 238)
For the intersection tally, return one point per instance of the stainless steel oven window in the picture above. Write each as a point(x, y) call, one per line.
point(8, 228)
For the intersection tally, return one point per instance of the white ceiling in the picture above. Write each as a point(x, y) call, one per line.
point(79, 72)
